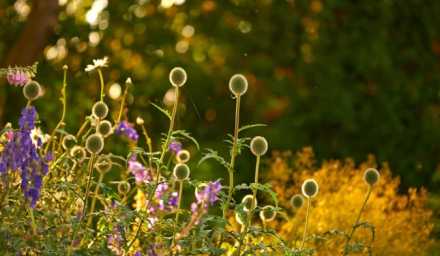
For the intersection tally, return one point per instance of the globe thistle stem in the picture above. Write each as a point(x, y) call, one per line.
point(95, 195)
point(63, 100)
point(171, 128)
point(124, 98)
point(309, 205)
point(34, 226)
point(89, 178)
point(101, 80)
point(179, 200)
point(233, 155)
point(149, 145)
point(82, 128)
point(353, 229)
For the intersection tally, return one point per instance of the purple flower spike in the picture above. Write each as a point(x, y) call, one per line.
point(126, 129)
point(175, 146)
point(17, 78)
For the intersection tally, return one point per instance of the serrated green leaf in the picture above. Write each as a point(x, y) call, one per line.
point(250, 126)
point(164, 111)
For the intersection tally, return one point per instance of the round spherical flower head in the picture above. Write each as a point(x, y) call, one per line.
point(259, 146)
point(95, 143)
point(124, 187)
point(238, 84)
point(103, 164)
point(183, 156)
point(268, 213)
point(78, 152)
point(104, 128)
point(247, 201)
point(310, 188)
point(100, 110)
point(32, 90)
point(240, 219)
point(68, 141)
point(177, 77)
point(371, 176)
point(297, 201)
point(181, 172)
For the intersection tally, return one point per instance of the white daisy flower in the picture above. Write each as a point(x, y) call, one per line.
point(97, 63)
point(37, 135)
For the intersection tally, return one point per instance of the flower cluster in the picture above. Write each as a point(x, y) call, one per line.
point(175, 146)
point(22, 154)
point(208, 195)
point(140, 173)
point(17, 78)
point(126, 129)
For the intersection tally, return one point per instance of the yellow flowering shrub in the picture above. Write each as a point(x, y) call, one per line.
point(402, 221)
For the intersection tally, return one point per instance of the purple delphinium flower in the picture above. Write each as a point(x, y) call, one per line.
point(126, 129)
point(17, 78)
point(207, 196)
point(140, 173)
point(20, 154)
point(175, 146)
point(138, 253)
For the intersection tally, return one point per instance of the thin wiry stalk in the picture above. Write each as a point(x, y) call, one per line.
point(309, 204)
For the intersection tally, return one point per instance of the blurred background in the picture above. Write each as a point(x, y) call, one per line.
point(347, 78)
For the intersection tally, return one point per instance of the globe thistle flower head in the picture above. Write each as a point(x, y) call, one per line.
point(297, 201)
point(32, 90)
point(259, 146)
point(68, 142)
point(177, 77)
point(103, 164)
point(248, 202)
point(17, 77)
point(183, 156)
point(95, 143)
point(124, 187)
point(100, 110)
point(139, 120)
point(371, 176)
point(104, 128)
point(181, 172)
point(310, 188)
point(240, 219)
point(268, 213)
point(78, 153)
point(238, 84)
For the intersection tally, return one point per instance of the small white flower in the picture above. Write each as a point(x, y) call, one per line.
point(97, 63)
point(37, 135)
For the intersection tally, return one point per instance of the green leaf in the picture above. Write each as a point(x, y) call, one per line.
point(212, 154)
point(186, 135)
point(250, 126)
point(164, 111)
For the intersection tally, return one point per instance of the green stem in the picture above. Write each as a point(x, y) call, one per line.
point(95, 195)
point(124, 97)
point(34, 226)
point(82, 128)
point(63, 115)
point(90, 174)
point(253, 205)
point(353, 229)
point(101, 80)
point(179, 200)
point(233, 155)
point(170, 130)
point(309, 205)
point(150, 146)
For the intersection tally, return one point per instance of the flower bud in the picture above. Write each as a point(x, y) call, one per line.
point(103, 164)
point(310, 188)
point(183, 156)
point(268, 213)
point(68, 141)
point(139, 121)
point(32, 90)
point(100, 110)
point(104, 128)
point(177, 77)
point(95, 143)
point(259, 146)
point(297, 201)
point(181, 172)
point(238, 84)
point(247, 202)
point(371, 176)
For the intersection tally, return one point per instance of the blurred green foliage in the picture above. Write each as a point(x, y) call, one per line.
point(345, 77)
